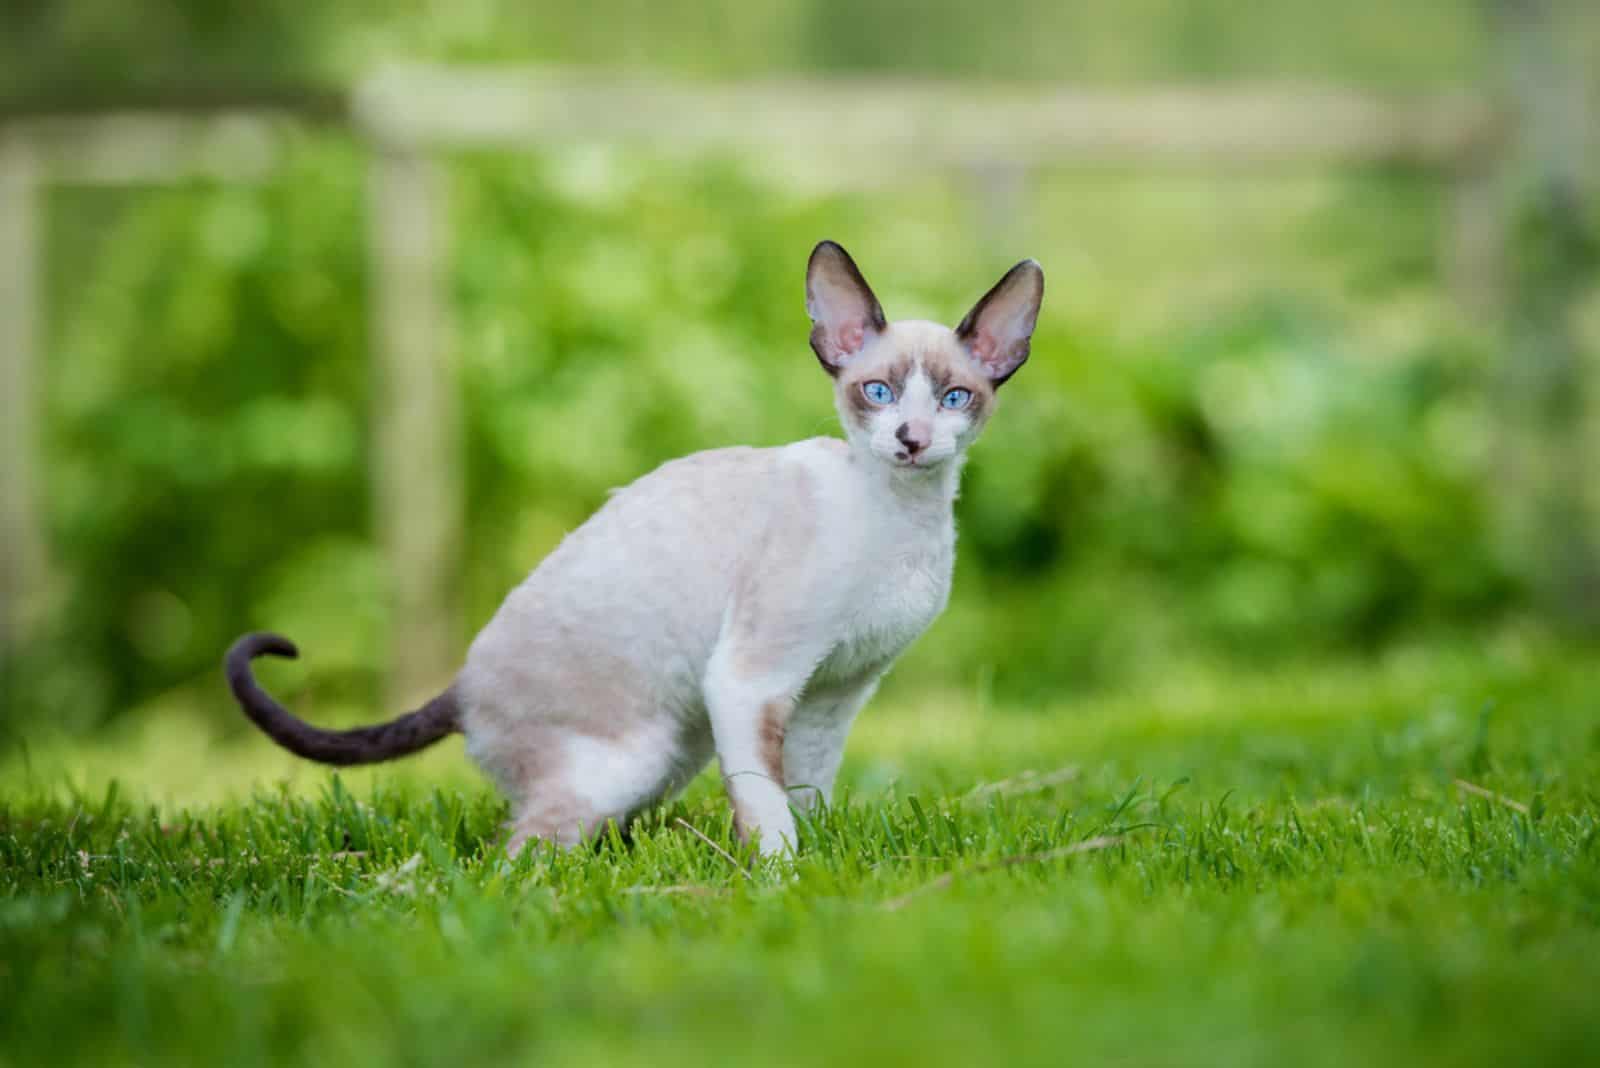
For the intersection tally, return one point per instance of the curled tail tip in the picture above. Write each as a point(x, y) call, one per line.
point(358, 745)
point(262, 643)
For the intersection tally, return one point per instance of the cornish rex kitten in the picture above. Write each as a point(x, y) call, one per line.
point(742, 602)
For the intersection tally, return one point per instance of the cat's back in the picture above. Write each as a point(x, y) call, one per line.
point(708, 508)
point(691, 509)
point(647, 578)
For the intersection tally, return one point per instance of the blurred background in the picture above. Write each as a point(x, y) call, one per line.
point(333, 319)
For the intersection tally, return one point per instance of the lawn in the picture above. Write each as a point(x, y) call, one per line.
point(1389, 862)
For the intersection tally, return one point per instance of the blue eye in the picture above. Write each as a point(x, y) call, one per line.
point(878, 393)
point(956, 398)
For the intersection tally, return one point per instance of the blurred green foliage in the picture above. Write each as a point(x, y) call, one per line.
point(1254, 425)
point(1264, 448)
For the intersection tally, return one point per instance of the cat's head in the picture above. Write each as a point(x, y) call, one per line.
point(915, 394)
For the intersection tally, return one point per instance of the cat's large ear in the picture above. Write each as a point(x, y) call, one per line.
point(844, 313)
point(998, 329)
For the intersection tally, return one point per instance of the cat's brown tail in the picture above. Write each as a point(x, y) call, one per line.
point(361, 745)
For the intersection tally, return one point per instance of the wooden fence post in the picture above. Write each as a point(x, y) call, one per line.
point(1477, 232)
point(1552, 513)
point(1001, 192)
point(22, 547)
point(417, 485)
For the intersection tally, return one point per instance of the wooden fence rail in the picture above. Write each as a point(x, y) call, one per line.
point(894, 124)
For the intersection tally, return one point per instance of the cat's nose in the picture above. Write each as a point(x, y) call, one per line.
point(914, 435)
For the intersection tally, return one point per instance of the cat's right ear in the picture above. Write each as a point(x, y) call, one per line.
point(845, 315)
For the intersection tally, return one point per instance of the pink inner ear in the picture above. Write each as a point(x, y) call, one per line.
point(982, 347)
point(851, 337)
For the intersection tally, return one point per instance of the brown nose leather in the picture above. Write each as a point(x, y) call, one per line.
point(913, 444)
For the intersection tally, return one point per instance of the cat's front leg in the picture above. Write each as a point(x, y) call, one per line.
point(813, 743)
point(749, 712)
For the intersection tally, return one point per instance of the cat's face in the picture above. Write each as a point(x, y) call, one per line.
point(913, 397)
point(915, 394)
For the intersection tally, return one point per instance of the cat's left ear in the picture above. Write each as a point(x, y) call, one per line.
point(999, 328)
point(844, 313)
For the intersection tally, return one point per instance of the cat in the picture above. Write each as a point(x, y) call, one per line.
point(740, 602)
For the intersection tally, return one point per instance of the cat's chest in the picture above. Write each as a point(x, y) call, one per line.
point(895, 600)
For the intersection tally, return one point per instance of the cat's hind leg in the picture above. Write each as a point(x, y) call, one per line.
point(566, 785)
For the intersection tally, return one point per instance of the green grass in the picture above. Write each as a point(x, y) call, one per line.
point(1286, 870)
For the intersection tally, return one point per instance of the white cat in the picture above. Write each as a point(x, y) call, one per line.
point(743, 602)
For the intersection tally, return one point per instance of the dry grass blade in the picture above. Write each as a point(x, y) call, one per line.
point(1490, 795)
point(1026, 783)
point(724, 853)
point(686, 889)
point(943, 882)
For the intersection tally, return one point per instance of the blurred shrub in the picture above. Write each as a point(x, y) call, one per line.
point(1285, 457)
point(206, 442)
